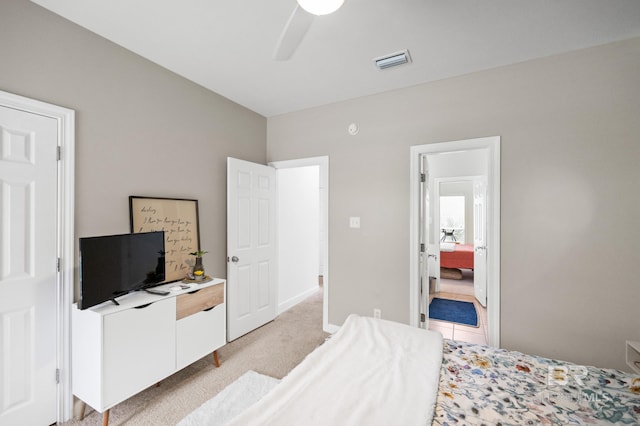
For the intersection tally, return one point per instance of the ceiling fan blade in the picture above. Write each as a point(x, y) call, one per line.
point(292, 34)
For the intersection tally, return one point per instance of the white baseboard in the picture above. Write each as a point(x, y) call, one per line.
point(288, 304)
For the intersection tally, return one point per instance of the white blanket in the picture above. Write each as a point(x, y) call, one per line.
point(371, 372)
point(231, 401)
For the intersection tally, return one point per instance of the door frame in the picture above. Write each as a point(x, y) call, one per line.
point(492, 145)
point(65, 119)
point(323, 163)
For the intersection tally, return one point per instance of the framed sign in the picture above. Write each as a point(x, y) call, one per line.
point(178, 218)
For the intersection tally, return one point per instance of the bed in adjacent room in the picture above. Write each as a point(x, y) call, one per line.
point(458, 256)
point(377, 372)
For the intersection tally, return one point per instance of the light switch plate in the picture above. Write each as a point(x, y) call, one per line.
point(354, 222)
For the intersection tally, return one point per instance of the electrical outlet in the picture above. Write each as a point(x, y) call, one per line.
point(377, 313)
point(354, 222)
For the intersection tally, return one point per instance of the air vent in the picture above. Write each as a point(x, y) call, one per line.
point(392, 60)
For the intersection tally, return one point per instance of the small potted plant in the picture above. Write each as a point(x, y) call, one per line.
point(198, 269)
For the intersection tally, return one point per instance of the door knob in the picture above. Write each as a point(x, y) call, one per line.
point(235, 259)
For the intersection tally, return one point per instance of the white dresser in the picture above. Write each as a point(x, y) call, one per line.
point(120, 350)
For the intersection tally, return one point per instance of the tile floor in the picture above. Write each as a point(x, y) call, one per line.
point(461, 290)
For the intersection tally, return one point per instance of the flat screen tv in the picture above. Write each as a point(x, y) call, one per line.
point(114, 265)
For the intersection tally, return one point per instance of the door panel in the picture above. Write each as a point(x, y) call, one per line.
point(480, 241)
point(243, 286)
point(426, 264)
point(251, 248)
point(28, 273)
point(264, 289)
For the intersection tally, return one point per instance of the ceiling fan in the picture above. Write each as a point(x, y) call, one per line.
point(298, 24)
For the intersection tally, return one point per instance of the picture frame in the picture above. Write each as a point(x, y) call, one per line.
point(178, 218)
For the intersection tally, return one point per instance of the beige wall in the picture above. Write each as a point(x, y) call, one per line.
point(570, 132)
point(140, 129)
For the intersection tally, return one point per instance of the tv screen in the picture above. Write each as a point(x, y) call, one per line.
point(114, 265)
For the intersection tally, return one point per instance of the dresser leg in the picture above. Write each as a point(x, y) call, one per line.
point(105, 418)
point(215, 358)
point(83, 406)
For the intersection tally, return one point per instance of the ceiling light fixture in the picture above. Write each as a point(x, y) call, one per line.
point(320, 7)
point(392, 60)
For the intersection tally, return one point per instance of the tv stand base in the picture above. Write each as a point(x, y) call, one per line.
point(175, 330)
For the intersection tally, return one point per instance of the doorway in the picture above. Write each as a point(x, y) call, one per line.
point(458, 223)
point(322, 165)
point(240, 318)
point(423, 250)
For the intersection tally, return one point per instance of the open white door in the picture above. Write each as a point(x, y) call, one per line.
point(424, 244)
point(28, 275)
point(251, 246)
point(480, 240)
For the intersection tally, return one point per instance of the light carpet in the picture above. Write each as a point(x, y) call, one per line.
point(235, 398)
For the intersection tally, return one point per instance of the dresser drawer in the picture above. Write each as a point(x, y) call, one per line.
point(200, 300)
point(200, 334)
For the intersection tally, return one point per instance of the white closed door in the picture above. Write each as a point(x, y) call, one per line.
point(480, 240)
point(28, 270)
point(251, 246)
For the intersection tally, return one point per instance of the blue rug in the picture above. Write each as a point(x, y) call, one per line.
point(453, 311)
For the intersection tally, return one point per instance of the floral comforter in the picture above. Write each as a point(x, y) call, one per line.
point(480, 385)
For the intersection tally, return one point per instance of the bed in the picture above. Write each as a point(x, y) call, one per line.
point(378, 372)
point(456, 256)
point(484, 385)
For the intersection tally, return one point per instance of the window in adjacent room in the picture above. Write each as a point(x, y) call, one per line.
point(452, 218)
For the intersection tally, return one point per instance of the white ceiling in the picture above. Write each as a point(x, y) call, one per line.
point(227, 46)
